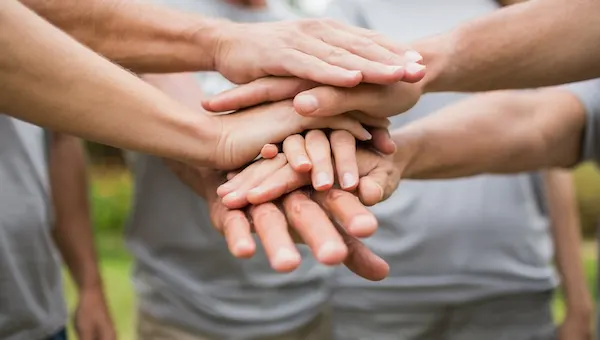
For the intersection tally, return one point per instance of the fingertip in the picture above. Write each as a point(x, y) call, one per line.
point(224, 189)
point(370, 192)
point(234, 200)
point(302, 166)
point(362, 226)
point(332, 253)
point(306, 104)
point(414, 72)
point(269, 151)
point(286, 260)
point(244, 249)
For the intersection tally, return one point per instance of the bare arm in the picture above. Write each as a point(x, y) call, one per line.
point(73, 235)
point(493, 132)
point(51, 80)
point(536, 43)
point(140, 36)
point(566, 234)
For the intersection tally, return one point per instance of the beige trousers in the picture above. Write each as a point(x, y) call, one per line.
point(151, 329)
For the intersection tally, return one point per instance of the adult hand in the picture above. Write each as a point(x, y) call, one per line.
point(268, 179)
point(576, 326)
point(243, 134)
point(311, 99)
point(92, 319)
point(296, 218)
point(321, 50)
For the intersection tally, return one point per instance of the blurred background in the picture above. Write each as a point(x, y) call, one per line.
point(112, 189)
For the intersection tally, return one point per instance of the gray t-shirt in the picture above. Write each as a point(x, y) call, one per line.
point(588, 93)
point(184, 274)
point(31, 294)
point(447, 241)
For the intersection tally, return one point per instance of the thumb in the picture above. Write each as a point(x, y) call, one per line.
point(269, 89)
point(377, 186)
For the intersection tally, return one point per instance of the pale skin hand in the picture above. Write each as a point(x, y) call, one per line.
point(149, 38)
point(560, 193)
point(73, 237)
point(294, 218)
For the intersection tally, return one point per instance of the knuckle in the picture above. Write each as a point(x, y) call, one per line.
point(297, 206)
point(266, 211)
point(334, 195)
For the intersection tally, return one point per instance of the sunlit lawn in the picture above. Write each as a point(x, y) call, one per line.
point(111, 201)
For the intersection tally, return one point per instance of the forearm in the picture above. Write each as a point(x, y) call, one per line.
point(533, 44)
point(51, 80)
point(499, 132)
point(73, 231)
point(566, 234)
point(137, 35)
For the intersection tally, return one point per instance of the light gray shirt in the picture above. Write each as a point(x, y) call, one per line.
point(447, 241)
point(31, 294)
point(184, 274)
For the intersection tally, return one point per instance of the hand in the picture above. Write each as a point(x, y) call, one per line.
point(268, 179)
point(321, 50)
point(92, 319)
point(243, 134)
point(576, 327)
point(311, 99)
point(296, 218)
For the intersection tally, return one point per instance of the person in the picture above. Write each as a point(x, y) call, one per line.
point(187, 284)
point(43, 211)
point(98, 101)
point(465, 264)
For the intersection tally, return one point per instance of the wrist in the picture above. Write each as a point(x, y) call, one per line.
point(209, 35)
point(437, 52)
point(408, 142)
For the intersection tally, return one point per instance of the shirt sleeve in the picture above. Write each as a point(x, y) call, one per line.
point(588, 92)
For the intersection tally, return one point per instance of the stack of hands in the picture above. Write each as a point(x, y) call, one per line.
point(326, 155)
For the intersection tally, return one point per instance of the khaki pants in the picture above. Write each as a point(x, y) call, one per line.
point(150, 328)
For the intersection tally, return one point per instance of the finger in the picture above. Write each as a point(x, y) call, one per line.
point(409, 56)
point(375, 188)
point(246, 174)
point(285, 180)
point(269, 89)
point(272, 229)
point(346, 209)
point(269, 151)
point(331, 101)
point(319, 152)
point(308, 66)
point(382, 141)
point(363, 262)
point(343, 146)
point(372, 71)
point(236, 229)
point(295, 152)
point(341, 122)
point(368, 120)
point(315, 228)
point(250, 178)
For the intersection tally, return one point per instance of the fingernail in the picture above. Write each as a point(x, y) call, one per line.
point(394, 69)
point(362, 225)
point(348, 180)
point(366, 135)
point(242, 248)
point(306, 103)
point(414, 68)
point(231, 196)
point(413, 56)
point(285, 257)
point(256, 191)
point(330, 253)
point(322, 180)
point(303, 160)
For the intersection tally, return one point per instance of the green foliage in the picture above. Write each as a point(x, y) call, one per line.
point(111, 200)
point(587, 184)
